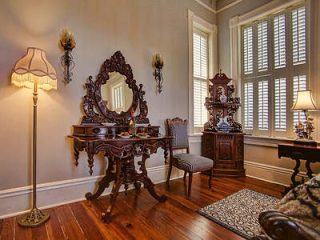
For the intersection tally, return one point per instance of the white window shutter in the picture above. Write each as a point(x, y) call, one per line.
point(200, 56)
point(299, 84)
point(263, 46)
point(200, 89)
point(200, 77)
point(263, 105)
point(248, 105)
point(247, 51)
point(299, 35)
point(280, 104)
point(279, 33)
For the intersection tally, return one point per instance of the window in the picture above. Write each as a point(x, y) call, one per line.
point(200, 77)
point(117, 98)
point(274, 67)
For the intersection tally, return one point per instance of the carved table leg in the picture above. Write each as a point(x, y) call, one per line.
point(147, 181)
point(309, 171)
point(115, 191)
point(137, 185)
point(165, 154)
point(76, 156)
point(77, 147)
point(104, 182)
point(90, 153)
point(295, 173)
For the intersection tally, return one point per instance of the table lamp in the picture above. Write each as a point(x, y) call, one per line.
point(34, 71)
point(305, 103)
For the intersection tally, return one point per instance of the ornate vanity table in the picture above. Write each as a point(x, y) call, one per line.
point(110, 103)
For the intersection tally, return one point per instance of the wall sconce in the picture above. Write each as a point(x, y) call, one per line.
point(67, 43)
point(157, 64)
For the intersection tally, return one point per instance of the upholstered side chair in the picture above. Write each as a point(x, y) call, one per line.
point(189, 163)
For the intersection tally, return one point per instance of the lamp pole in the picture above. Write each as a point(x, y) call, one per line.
point(35, 217)
point(34, 153)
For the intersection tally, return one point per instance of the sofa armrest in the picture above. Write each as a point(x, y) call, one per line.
point(278, 226)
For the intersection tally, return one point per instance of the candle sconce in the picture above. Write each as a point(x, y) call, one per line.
point(157, 64)
point(67, 43)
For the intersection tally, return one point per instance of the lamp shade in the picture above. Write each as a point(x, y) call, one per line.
point(304, 101)
point(34, 68)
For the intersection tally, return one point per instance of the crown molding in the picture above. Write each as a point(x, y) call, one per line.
point(228, 6)
point(206, 6)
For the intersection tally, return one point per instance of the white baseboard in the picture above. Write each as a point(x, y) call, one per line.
point(270, 173)
point(16, 201)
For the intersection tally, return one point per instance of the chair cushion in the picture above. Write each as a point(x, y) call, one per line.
point(192, 163)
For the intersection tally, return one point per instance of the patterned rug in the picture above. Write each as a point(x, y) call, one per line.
point(239, 212)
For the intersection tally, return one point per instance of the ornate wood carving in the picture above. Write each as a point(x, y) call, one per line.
point(120, 153)
point(226, 149)
point(222, 105)
point(96, 110)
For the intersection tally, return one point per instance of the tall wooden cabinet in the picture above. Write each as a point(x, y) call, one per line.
point(222, 138)
point(226, 149)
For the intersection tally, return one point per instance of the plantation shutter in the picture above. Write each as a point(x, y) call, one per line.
point(263, 105)
point(299, 35)
point(279, 33)
point(280, 103)
point(200, 77)
point(247, 51)
point(299, 84)
point(248, 105)
point(274, 64)
point(263, 46)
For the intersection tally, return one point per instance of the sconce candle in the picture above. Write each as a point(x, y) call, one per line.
point(157, 64)
point(67, 43)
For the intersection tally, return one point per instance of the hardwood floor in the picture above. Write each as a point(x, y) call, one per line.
point(139, 216)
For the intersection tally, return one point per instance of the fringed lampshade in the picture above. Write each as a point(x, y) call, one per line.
point(34, 68)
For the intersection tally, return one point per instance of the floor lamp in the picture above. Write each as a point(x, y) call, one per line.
point(34, 71)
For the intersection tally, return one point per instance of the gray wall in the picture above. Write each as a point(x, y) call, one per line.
point(138, 28)
point(223, 27)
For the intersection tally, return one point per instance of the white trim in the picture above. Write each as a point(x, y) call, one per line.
point(15, 201)
point(211, 29)
point(265, 141)
point(195, 138)
point(206, 6)
point(228, 6)
point(270, 173)
point(267, 9)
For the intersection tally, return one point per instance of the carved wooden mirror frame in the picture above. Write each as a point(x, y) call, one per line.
point(96, 110)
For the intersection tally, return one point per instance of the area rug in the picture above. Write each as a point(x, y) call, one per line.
point(239, 212)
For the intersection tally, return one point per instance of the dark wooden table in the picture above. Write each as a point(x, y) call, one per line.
point(299, 152)
point(120, 153)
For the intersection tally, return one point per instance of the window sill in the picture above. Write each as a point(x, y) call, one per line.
point(195, 135)
point(265, 141)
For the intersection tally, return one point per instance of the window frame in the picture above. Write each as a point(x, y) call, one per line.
point(249, 19)
point(211, 29)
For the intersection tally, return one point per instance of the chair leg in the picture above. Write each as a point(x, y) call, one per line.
point(210, 177)
point(169, 172)
point(190, 183)
point(184, 176)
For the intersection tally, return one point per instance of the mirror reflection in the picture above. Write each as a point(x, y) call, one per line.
point(116, 93)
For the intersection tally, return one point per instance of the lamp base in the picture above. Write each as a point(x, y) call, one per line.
point(304, 141)
point(34, 218)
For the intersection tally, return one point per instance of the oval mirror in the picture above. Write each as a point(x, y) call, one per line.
point(116, 93)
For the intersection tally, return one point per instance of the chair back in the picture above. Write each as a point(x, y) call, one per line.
point(178, 128)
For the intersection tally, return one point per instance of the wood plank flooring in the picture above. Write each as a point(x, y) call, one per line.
point(139, 216)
